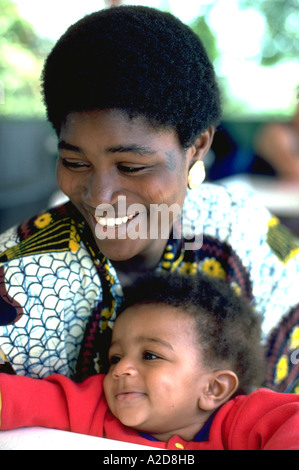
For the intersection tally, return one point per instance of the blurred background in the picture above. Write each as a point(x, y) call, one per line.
point(254, 46)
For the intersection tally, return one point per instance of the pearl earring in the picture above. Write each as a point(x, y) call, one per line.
point(196, 175)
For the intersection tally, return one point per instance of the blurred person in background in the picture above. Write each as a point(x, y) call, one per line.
point(276, 145)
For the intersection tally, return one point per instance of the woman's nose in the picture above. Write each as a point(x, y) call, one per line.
point(102, 187)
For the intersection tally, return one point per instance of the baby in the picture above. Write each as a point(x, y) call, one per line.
point(185, 362)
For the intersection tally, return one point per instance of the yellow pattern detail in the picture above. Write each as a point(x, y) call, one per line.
point(3, 357)
point(97, 363)
point(176, 263)
point(178, 445)
point(108, 274)
point(237, 289)
point(281, 241)
point(282, 369)
point(169, 256)
point(189, 268)
point(294, 339)
point(212, 267)
point(106, 315)
point(43, 220)
point(166, 264)
point(55, 237)
point(273, 222)
point(74, 242)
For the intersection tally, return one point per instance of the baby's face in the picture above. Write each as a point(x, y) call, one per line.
point(156, 374)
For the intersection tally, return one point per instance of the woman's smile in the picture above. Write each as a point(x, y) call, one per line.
point(113, 222)
point(121, 228)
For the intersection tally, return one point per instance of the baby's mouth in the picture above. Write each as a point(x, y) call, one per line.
point(129, 396)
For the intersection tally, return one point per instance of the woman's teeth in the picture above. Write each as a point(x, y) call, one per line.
point(113, 222)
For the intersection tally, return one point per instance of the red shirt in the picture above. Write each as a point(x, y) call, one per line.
point(262, 420)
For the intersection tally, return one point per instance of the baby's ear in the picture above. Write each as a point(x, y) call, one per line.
point(222, 385)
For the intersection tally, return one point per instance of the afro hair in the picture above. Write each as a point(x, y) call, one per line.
point(137, 59)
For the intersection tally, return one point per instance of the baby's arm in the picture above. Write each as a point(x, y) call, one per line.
point(53, 402)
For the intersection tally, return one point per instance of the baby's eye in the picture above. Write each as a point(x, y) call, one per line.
point(148, 356)
point(114, 360)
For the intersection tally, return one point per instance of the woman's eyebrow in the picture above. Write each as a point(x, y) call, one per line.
point(62, 145)
point(132, 148)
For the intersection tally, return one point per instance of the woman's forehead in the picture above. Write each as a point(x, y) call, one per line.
point(117, 127)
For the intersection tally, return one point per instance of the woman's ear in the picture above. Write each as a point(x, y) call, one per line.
point(221, 386)
point(201, 146)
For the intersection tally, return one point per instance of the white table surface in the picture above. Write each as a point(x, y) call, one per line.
point(52, 439)
point(280, 197)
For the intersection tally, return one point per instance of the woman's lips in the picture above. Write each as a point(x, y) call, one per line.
point(130, 226)
point(113, 222)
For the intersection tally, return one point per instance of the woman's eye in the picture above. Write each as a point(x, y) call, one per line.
point(130, 169)
point(71, 164)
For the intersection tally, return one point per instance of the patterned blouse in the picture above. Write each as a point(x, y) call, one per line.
point(59, 294)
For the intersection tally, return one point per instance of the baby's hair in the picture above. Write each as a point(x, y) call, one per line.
point(136, 59)
point(228, 329)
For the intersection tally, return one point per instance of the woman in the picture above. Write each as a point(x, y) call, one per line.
point(132, 96)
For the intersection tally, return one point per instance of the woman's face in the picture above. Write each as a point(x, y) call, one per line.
point(126, 169)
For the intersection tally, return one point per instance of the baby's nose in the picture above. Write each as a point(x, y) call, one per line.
point(124, 367)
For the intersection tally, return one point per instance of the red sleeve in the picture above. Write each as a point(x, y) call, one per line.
point(54, 402)
point(265, 420)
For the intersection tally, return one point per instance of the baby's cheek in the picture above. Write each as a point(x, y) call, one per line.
point(107, 388)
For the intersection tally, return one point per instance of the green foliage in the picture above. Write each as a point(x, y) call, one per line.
point(202, 29)
point(23, 52)
point(282, 20)
point(22, 55)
